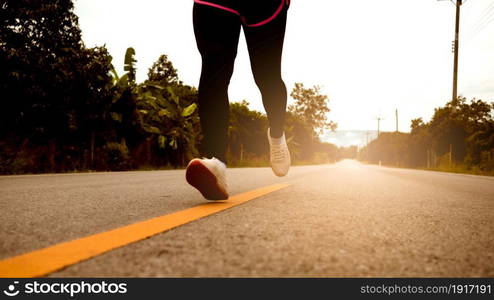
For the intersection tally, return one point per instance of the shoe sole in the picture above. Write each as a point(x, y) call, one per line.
point(204, 181)
point(279, 174)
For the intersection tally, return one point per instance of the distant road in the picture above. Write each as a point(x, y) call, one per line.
point(347, 219)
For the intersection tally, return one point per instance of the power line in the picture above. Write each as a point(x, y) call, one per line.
point(483, 25)
point(488, 13)
point(484, 19)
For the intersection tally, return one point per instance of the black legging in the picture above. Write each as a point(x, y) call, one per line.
point(217, 34)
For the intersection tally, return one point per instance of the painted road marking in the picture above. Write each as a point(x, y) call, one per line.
point(47, 260)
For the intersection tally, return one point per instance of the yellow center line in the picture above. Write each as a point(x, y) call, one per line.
point(47, 260)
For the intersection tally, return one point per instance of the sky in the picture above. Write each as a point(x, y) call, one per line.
point(369, 57)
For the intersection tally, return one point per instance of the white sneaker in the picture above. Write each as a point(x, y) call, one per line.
point(279, 155)
point(209, 177)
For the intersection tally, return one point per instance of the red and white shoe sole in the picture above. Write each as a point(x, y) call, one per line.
point(199, 176)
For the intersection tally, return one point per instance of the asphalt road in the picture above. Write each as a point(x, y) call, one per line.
point(347, 219)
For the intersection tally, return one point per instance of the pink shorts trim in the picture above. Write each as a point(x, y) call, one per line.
point(277, 12)
point(217, 6)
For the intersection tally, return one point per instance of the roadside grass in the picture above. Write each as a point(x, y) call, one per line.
point(454, 168)
point(462, 169)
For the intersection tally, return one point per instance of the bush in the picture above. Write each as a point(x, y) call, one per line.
point(115, 157)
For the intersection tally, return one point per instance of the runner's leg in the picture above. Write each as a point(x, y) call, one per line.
point(217, 33)
point(265, 45)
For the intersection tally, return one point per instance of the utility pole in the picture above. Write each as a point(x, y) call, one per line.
point(397, 120)
point(450, 155)
point(428, 159)
point(379, 125)
point(455, 48)
point(457, 44)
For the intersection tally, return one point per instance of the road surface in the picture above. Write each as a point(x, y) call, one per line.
point(347, 219)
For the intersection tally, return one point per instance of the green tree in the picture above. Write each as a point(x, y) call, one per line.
point(312, 106)
point(128, 124)
point(247, 133)
point(459, 137)
point(171, 125)
point(301, 138)
point(53, 89)
point(306, 120)
point(40, 49)
point(163, 71)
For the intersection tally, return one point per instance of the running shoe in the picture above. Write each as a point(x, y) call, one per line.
point(279, 155)
point(209, 177)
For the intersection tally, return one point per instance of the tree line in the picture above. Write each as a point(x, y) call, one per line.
point(459, 138)
point(65, 108)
